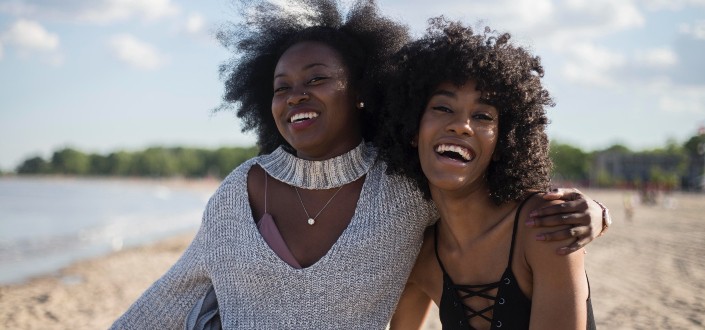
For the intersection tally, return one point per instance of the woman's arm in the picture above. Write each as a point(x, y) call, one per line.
point(425, 280)
point(587, 218)
point(412, 308)
point(559, 285)
point(165, 303)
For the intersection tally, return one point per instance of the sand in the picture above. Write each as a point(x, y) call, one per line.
point(646, 273)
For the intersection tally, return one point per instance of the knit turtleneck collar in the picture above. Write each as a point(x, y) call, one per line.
point(325, 174)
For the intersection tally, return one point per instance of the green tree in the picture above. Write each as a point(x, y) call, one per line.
point(192, 162)
point(34, 165)
point(695, 145)
point(120, 163)
point(569, 163)
point(618, 148)
point(156, 162)
point(99, 164)
point(70, 161)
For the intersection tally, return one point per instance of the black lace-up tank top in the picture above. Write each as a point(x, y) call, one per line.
point(511, 308)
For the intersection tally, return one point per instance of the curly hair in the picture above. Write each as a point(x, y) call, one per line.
point(364, 39)
point(508, 74)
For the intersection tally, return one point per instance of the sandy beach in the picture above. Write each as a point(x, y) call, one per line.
point(646, 273)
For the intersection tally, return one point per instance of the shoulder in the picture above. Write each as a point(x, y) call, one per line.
point(240, 172)
point(536, 251)
point(233, 185)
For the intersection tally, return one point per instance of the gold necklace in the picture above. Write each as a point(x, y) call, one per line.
point(312, 221)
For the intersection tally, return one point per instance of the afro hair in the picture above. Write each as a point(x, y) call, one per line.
point(510, 77)
point(364, 39)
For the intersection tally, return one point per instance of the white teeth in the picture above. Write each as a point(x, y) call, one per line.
point(303, 116)
point(453, 148)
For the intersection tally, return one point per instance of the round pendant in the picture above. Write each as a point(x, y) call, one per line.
point(311, 221)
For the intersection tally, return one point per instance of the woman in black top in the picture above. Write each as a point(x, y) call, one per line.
point(469, 119)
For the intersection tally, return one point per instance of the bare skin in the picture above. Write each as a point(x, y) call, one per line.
point(307, 243)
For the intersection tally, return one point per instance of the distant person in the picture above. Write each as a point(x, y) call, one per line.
point(312, 234)
point(628, 203)
point(469, 113)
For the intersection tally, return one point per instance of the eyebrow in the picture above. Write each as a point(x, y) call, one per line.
point(443, 92)
point(306, 67)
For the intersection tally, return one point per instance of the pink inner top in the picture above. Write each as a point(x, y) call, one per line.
point(270, 233)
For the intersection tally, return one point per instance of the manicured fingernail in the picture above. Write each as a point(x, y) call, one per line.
point(540, 237)
point(530, 222)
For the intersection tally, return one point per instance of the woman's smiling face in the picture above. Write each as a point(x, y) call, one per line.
point(313, 104)
point(457, 137)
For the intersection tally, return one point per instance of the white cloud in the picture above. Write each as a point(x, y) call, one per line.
point(136, 53)
point(657, 57)
point(696, 30)
point(590, 64)
point(557, 22)
point(195, 24)
point(30, 36)
point(92, 11)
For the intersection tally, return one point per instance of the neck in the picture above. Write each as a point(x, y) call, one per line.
point(328, 153)
point(468, 215)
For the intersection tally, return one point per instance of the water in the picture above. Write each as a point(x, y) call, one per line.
point(46, 224)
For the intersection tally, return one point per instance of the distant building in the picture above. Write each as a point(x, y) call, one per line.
point(694, 178)
point(633, 169)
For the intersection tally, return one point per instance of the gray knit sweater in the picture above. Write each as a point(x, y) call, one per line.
point(356, 285)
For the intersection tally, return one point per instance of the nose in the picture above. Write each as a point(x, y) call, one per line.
point(297, 97)
point(460, 126)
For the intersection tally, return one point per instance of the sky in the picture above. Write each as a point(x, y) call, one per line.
point(109, 75)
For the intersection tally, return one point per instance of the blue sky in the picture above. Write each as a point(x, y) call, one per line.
point(105, 75)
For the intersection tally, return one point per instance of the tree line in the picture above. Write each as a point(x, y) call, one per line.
point(570, 163)
point(151, 162)
point(672, 166)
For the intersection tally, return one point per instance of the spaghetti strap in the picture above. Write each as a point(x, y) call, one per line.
point(514, 231)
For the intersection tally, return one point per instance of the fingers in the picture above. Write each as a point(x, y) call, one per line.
point(579, 232)
point(566, 213)
point(577, 245)
point(577, 237)
point(566, 194)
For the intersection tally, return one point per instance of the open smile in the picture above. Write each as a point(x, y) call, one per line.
point(302, 116)
point(455, 152)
